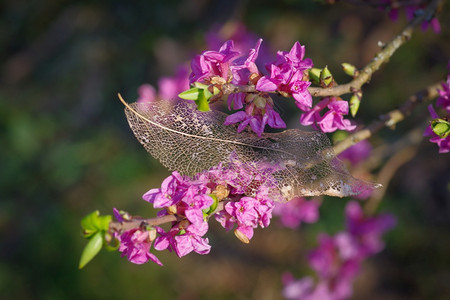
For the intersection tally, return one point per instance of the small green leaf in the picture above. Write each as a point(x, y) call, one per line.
point(202, 102)
point(90, 224)
point(200, 85)
point(90, 221)
point(191, 94)
point(104, 222)
point(91, 250)
point(354, 104)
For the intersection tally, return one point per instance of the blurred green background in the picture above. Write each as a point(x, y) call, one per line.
point(66, 149)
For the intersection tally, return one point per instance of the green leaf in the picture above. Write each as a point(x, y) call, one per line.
point(202, 102)
point(191, 94)
point(104, 222)
point(92, 248)
point(90, 224)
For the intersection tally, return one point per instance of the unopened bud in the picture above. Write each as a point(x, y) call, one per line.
point(441, 127)
point(218, 80)
point(221, 192)
point(314, 75)
point(184, 224)
point(355, 101)
point(242, 237)
point(260, 102)
point(152, 234)
point(350, 69)
point(326, 78)
point(171, 209)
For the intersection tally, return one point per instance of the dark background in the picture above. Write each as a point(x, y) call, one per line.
point(66, 149)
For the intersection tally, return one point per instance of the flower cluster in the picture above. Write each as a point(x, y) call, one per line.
point(332, 120)
point(193, 201)
point(338, 258)
point(287, 76)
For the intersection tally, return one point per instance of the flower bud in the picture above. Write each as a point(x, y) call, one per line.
point(350, 69)
point(314, 75)
point(355, 100)
point(441, 127)
point(184, 224)
point(326, 78)
point(221, 192)
point(242, 237)
point(171, 209)
point(152, 234)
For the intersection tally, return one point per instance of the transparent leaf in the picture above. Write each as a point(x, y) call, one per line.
point(294, 162)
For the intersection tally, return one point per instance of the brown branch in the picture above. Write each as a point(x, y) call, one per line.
point(402, 153)
point(136, 222)
point(366, 73)
point(382, 57)
point(389, 119)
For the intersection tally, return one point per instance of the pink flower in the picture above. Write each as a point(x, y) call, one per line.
point(169, 193)
point(135, 244)
point(337, 259)
point(147, 93)
point(296, 211)
point(170, 87)
point(192, 241)
point(213, 63)
point(258, 113)
point(332, 120)
point(357, 153)
point(286, 75)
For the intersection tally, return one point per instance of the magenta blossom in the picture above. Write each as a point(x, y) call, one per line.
point(332, 120)
point(213, 64)
point(258, 113)
point(296, 211)
point(286, 75)
point(147, 93)
point(168, 87)
point(338, 258)
point(357, 153)
point(135, 244)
